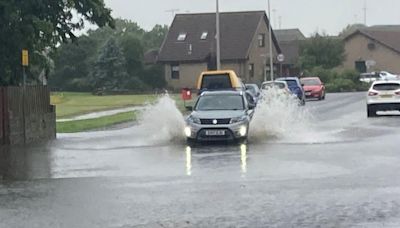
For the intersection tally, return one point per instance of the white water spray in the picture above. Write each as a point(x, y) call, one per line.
point(279, 117)
point(161, 122)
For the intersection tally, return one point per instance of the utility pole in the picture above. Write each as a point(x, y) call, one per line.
point(218, 36)
point(280, 22)
point(365, 12)
point(274, 15)
point(271, 57)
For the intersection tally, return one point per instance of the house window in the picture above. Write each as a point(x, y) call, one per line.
point(175, 71)
point(251, 70)
point(261, 40)
point(204, 35)
point(181, 36)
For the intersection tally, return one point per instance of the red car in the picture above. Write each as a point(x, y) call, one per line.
point(313, 87)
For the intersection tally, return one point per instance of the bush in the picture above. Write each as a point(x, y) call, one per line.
point(341, 85)
point(339, 81)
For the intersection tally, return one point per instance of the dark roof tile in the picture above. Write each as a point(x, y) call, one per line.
point(288, 35)
point(237, 32)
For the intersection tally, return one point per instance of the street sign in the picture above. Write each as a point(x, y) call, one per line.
point(281, 58)
point(25, 58)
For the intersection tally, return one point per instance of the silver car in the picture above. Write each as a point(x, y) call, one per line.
point(219, 116)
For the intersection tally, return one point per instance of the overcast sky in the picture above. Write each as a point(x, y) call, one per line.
point(329, 16)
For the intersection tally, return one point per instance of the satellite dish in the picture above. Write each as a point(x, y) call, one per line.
point(370, 63)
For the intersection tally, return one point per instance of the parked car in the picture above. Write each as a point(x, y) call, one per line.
point(383, 96)
point(369, 77)
point(295, 88)
point(280, 86)
point(313, 87)
point(384, 75)
point(219, 80)
point(254, 91)
point(219, 116)
point(274, 84)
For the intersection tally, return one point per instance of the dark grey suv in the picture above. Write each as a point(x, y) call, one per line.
point(219, 116)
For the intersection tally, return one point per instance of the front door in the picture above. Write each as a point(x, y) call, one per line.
point(361, 66)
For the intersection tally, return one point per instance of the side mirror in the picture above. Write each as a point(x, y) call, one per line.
point(302, 85)
point(189, 108)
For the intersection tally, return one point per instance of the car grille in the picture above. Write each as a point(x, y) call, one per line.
point(219, 121)
point(229, 135)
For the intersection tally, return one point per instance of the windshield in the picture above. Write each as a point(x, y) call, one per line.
point(252, 88)
point(216, 82)
point(220, 102)
point(310, 82)
point(386, 86)
point(279, 85)
point(292, 83)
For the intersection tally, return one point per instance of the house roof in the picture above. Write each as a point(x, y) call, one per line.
point(291, 51)
point(283, 35)
point(387, 37)
point(289, 42)
point(237, 32)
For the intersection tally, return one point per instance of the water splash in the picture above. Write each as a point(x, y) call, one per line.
point(279, 117)
point(162, 122)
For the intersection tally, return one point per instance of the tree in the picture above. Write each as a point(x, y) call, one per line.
point(73, 64)
point(154, 38)
point(133, 52)
point(110, 68)
point(37, 25)
point(74, 61)
point(326, 52)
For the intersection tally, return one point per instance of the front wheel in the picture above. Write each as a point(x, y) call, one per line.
point(190, 142)
point(303, 102)
point(241, 140)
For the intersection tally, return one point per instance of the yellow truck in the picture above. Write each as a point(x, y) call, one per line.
point(219, 80)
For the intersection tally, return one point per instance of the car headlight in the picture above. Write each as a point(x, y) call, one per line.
point(188, 131)
point(243, 131)
point(238, 119)
point(193, 119)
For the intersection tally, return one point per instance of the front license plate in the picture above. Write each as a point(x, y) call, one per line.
point(215, 132)
point(386, 96)
point(308, 94)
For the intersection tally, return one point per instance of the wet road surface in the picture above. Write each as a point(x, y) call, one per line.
point(341, 170)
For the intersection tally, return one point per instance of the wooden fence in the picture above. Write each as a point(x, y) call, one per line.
point(25, 115)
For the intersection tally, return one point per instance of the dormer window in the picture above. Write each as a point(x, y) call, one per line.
point(204, 35)
point(182, 36)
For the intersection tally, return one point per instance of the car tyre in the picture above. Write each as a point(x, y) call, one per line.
point(322, 97)
point(371, 112)
point(190, 142)
point(241, 140)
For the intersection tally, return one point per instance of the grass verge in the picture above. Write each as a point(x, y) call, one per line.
point(69, 104)
point(98, 123)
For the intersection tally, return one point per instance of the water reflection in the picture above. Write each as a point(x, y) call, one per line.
point(188, 161)
point(216, 157)
point(24, 163)
point(243, 158)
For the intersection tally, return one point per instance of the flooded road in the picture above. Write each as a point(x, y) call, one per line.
point(334, 168)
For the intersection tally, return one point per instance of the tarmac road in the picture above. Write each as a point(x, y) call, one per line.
point(340, 170)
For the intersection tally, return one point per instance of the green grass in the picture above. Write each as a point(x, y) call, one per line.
point(70, 104)
point(98, 123)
